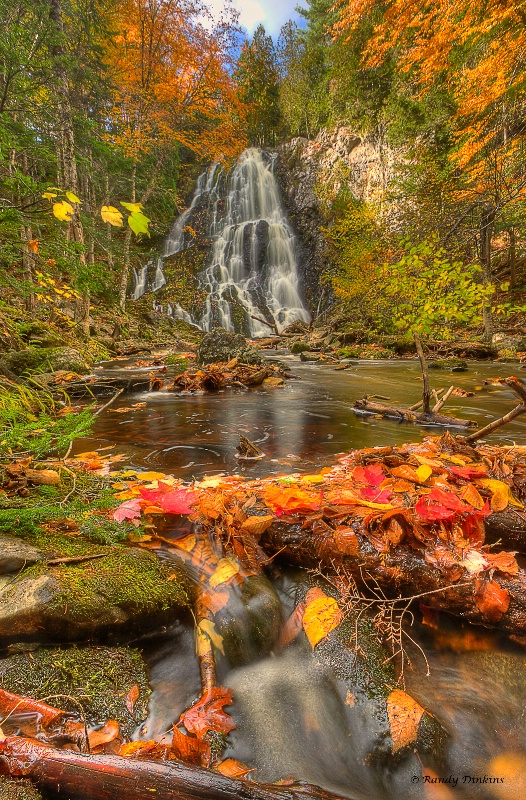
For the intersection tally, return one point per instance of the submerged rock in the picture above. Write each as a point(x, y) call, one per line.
point(220, 345)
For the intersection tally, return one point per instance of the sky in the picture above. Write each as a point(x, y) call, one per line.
point(272, 14)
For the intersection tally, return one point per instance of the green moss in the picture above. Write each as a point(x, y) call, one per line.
point(299, 347)
point(131, 579)
point(508, 354)
point(92, 680)
point(350, 352)
point(17, 789)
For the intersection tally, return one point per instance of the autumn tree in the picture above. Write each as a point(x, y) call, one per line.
point(172, 89)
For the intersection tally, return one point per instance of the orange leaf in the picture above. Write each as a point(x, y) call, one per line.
point(108, 733)
point(404, 718)
point(232, 768)
point(208, 715)
point(257, 525)
point(287, 500)
point(33, 245)
point(346, 540)
point(406, 472)
point(503, 562)
point(292, 626)
point(491, 599)
point(471, 495)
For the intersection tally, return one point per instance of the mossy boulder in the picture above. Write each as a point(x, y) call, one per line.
point(220, 345)
point(45, 359)
point(299, 347)
point(124, 588)
point(453, 364)
point(94, 681)
point(17, 789)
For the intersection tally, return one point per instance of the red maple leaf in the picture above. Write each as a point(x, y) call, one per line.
point(208, 715)
point(178, 501)
point(470, 473)
point(439, 504)
point(371, 476)
point(374, 495)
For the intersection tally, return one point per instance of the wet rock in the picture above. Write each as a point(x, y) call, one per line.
point(220, 345)
point(45, 359)
point(123, 589)
point(304, 356)
point(250, 622)
point(15, 554)
point(503, 341)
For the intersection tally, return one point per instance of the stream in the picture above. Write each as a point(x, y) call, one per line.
point(291, 714)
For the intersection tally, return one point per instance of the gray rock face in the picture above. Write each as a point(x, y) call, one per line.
point(221, 345)
point(309, 169)
point(15, 554)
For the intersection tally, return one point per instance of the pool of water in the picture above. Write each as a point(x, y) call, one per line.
point(300, 425)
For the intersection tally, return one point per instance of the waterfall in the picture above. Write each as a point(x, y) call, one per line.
point(158, 280)
point(252, 270)
point(140, 282)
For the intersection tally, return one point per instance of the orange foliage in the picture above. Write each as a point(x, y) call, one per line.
point(478, 47)
point(171, 80)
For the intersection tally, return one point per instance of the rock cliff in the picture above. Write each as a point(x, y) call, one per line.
point(311, 174)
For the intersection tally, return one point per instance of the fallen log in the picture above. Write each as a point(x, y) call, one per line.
point(402, 572)
point(84, 777)
point(406, 415)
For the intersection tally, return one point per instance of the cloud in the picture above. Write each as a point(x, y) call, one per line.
point(272, 14)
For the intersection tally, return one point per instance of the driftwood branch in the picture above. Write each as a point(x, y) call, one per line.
point(443, 400)
point(519, 389)
point(426, 393)
point(406, 415)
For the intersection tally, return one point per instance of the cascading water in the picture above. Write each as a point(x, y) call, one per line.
point(252, 270)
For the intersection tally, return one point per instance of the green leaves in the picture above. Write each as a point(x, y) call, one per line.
point(138, 222)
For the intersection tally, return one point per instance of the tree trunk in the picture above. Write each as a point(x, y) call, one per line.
point(486, 229)
point(67, 157)
point(127, 242)
point(512, 258)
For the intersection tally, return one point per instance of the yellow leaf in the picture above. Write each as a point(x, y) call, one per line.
point(207, 627)
point(211, 481)
point(72, 197)
point(63, 211)
point(112, 215)
point(49, 195)
point(404, 718)
point(501, 494)
point(313, 478)
point(424, 472)
point(132, 206)
point(322, 615)
point(150, 476)
point(226, 569)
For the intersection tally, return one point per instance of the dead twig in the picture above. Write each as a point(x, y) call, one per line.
point(519, 389)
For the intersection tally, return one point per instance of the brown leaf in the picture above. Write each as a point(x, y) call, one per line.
point(404, 718)
point(346, 540)
point(504, 562)
point(491, 599)
point(132, 697)
point(257, 525)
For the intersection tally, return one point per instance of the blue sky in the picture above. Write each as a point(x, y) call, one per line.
point(272, 14)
